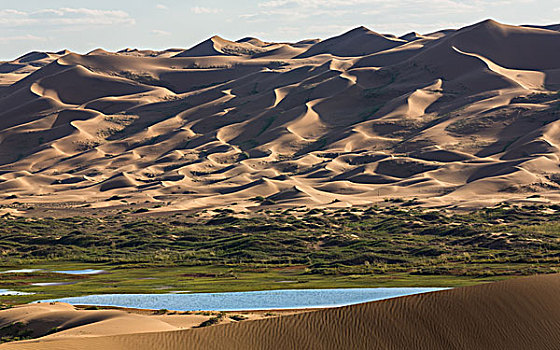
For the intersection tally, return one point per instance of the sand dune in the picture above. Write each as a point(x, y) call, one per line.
point(357, 42)
point(210, 125)
point(515, 314)
point(43, 318)
point(52, 321)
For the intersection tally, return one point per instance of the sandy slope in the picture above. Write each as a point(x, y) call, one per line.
point(458, 117)
point(515, 314)
point(42, 318)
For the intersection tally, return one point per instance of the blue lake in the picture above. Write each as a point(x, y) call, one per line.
point(236, 301)
point(80, 272)
point(5, 292)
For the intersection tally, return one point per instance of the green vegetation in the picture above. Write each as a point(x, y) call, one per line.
point(14, 332)
point(54, 330)
point(211, 321)
point(238, 318)
point(277, 249)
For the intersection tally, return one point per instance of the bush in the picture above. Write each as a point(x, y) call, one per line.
point(238, 317)
point(210, 322)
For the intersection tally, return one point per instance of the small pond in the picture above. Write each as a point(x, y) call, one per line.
point(21, 271)
point(6, 292)
point(80, 272)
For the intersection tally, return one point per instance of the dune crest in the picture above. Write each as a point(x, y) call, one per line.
point(350, 120)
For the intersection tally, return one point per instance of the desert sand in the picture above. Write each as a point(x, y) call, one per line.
point(522, 313)
point(464, 117)
point(52, 321)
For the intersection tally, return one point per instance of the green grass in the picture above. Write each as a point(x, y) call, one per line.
point(279, 249)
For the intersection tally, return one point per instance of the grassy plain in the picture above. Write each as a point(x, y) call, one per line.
point(392, 246)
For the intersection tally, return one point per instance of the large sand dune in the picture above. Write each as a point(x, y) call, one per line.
point(465, 117)
point(515, 314)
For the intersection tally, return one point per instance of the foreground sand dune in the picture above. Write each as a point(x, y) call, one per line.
point(69, 322)
point(517, 314)
point(458, 117)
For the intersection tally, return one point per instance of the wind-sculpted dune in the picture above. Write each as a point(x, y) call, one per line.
point(466, 117)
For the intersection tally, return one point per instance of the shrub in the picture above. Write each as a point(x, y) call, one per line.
point(210, 322)
point(238, 317)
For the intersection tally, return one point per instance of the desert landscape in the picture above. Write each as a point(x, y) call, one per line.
point(462, 117)
point(364, 160)
point(516, 314)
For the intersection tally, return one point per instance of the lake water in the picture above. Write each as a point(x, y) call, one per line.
point(5, 292)
point(236, 301)
point(66, 272)
point(80, 272)
point(49, 284)
point(21, 271)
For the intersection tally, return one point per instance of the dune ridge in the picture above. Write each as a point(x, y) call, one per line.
point(514, 314)
point(460, 117)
